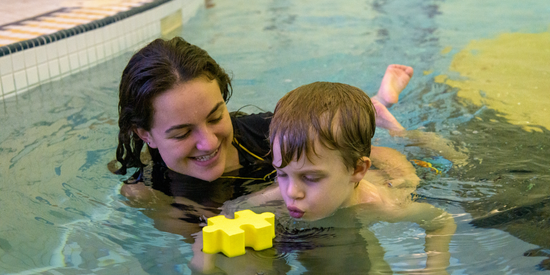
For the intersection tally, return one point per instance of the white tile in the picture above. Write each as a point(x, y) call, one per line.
point(129, 40)
point(51, 50)
point(119, 28)
point(73, 60)
point(89, 39)
point(62, 47)
point(30, 57)
point(53, 65)
point(41, 54)
point(164, 10)
point(64, 66)
point(92, 57)
point(108, 49)
point(20, 78)
point(126, 25)
point(99, 35)
point(80, 40)
point(108, 33)
point(137, 21)
point(112, 31)
point(71, 44)
point(123, 44)
point(145, 17)
point(8, 85)
point(32, 75)
point(83, 59)
point(43, 72)
point(18, 61)
point(100, 51)
point(116, 46)
point(147, 31)
point(6, 66)
point(139, 35)
point(155, 28)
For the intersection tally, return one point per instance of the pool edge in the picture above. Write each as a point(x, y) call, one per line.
point(51, 57)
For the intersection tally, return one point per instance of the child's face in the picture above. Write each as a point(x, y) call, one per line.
point(316, 188)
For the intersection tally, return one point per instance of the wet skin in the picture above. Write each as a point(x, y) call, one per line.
point(192, 130)
point(315, 187)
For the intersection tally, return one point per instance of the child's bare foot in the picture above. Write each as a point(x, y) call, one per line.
point(394, 81)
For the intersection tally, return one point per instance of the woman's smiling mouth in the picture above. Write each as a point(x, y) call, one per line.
point(206, 158)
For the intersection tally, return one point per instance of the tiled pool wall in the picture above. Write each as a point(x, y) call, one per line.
point(27, 64)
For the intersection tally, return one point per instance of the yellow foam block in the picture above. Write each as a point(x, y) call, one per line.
point(231, 236)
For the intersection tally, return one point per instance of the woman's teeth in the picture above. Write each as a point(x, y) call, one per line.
point(207, 157)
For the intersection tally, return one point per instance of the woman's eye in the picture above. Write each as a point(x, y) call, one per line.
point(183, 136)
point(216, 119)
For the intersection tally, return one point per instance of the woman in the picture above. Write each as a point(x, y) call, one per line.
point(173, 98)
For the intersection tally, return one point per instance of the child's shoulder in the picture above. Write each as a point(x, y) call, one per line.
point(393, 170)
point(383, 196)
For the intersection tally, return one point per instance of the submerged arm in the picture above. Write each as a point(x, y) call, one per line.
point(252, 200)
point(440, 227)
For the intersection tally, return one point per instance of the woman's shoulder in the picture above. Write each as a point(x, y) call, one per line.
point(252, 132)
point(258, 119)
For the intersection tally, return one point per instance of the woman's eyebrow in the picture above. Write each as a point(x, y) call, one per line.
point(215, 109)
point(180, 126)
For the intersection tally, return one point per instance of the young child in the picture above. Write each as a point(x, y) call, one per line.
point(320, 138)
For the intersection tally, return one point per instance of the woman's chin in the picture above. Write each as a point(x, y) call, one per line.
point(206, 174)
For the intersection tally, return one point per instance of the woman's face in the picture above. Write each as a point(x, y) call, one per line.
point(192, 130)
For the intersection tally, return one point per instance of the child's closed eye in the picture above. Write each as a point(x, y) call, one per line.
point(312, 178)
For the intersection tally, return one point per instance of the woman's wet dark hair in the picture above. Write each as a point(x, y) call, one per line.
point(151, 71)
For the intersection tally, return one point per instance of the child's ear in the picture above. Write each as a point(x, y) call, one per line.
point(361, 168)
point(145, 136)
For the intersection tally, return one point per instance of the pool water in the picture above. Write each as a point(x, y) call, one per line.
point(61, 211)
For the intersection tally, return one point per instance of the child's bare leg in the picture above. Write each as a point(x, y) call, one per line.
point(385, 119)
point(394, 81)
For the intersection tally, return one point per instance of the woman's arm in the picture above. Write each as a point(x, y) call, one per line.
point(253, 200)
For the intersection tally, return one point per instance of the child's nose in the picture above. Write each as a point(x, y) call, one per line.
point(294, 190)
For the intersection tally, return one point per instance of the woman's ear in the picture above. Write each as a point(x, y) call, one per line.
point(145, 136)
point(361, 168)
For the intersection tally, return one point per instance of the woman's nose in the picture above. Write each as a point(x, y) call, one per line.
point(206, 139)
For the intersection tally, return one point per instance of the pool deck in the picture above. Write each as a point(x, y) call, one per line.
point(43, 41)
point(28, 19)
